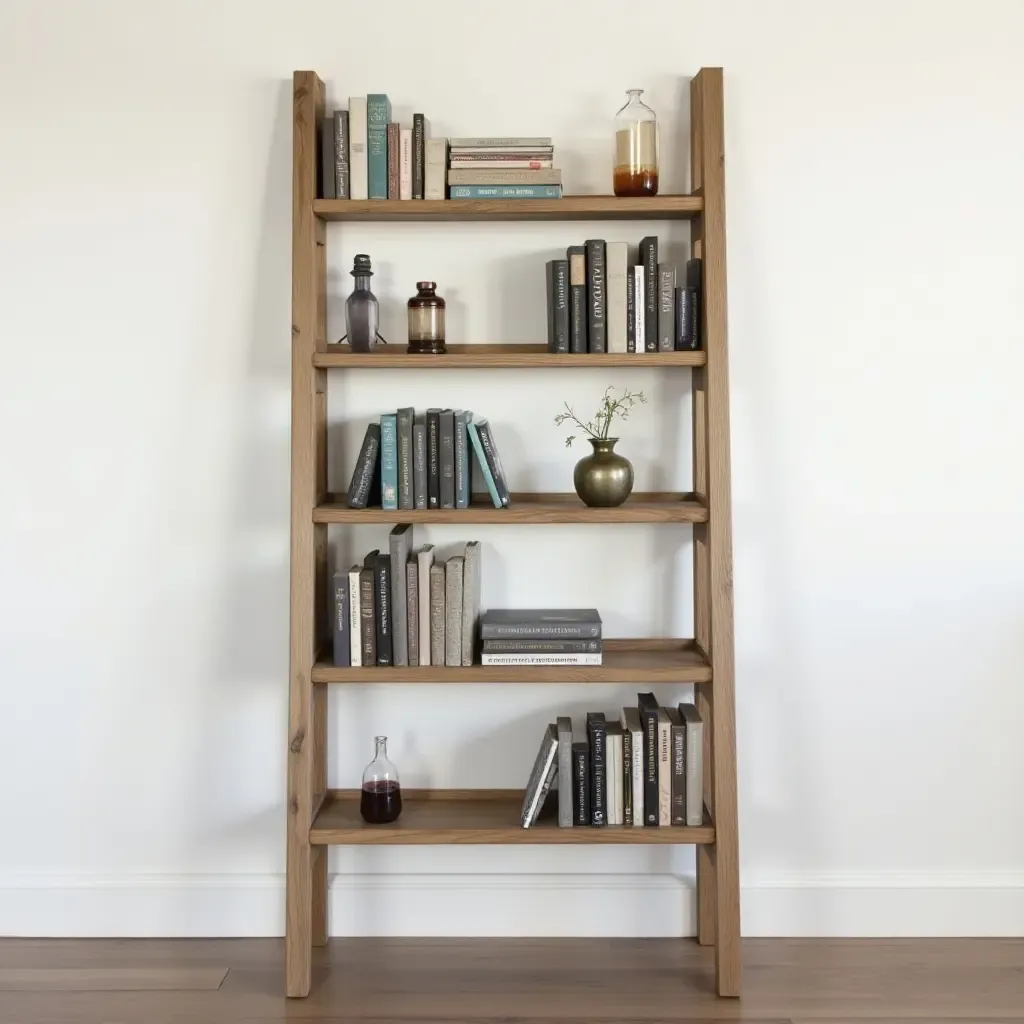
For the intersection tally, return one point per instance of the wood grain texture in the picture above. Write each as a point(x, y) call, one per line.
point(653, 507)
point(111, 979)
point(640, 661)
point(456, 817)
point(496, 356)
point(567, 208)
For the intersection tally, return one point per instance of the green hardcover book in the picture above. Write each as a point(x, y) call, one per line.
point(389, 461)
point(378, 114)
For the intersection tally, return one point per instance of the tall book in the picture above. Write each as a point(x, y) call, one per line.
point(627, 777)
point(424, 560)
point(647, 709)
point(664, 768)
point(558, 305)
point(649, 261)
point(419, 462)
point(631, 724)
point(473, 430)
point(361, 486)
point(433, 458)
point(616, 258)
point(666, 307)
point(454, 571)
point(341, 146)
point(564, 728)
point(543, 767)
point(678, 745)
point(597, 732)
point(447, 483)
point(340, 619)
point(394, 160)
point(378, 114)
point(357, 165)
point(686, 337)
point(541, 624)
point(405, 458)
point(435, 168)
point(695, 289)
point(462, 485)
point(613, 744)
point(382, 606)
point(437, 623)
point(639, 310)
point(405, 163)
point(389, 461)
point(399, 546)
point(577, 256)
point(694, 764)
point(597, 338)
point(493, 460)
point(471, 575)
point(419, 150)
point(412, 610)
point(630, 310)
point(368, 610)
point(580, 778)
point(355, 618)
point(328, 178)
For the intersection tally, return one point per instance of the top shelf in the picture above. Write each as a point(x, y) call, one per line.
point(566, 208)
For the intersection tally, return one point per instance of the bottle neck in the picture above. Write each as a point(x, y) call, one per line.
point(382, 746)
point(362, 282)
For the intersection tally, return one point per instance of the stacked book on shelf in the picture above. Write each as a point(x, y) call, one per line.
point(541, 636)
point(422, 461)
point(602, 299)
point(642, 767)
point(406, 607)
point(496, 168)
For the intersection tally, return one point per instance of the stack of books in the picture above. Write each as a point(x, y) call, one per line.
point(495, 168)
point(410, 461)
point(643, 766)
point(602, 299)
point(541, 636)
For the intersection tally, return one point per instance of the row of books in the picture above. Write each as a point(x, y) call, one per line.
point(541, 636)
point(404, 607)
point(602, 300)
point(496, 168)
point(409, 461)
point(644, 767)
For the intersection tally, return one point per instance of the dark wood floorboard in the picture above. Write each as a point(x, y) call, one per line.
point(528, 981)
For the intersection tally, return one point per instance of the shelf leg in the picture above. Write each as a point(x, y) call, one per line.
point(298, 938)
point(319, 885)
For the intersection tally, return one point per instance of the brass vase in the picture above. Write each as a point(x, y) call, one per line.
point(603, 479)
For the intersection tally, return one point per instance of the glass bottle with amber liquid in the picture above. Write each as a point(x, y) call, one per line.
point(636, 148)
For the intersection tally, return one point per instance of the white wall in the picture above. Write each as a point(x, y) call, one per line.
point(875, 160)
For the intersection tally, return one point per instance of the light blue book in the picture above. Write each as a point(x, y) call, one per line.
point(499, 191)
point(481, 459)
point(378, 113)
point(389, 461)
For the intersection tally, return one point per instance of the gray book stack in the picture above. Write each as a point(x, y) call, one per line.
point(541, 636)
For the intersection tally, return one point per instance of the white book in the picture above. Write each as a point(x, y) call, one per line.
point(425, 559)
point(355, 637)
point(638, 308)
point(435, 160)
point(694, 764)
point(357, 171)
point(631, 723)
point(614, 774)
point(405, 163)
point(616, 259)
point(664, 768)
point(541, 659)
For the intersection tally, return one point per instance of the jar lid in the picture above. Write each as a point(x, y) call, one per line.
point(424, 285)
point(361, 266)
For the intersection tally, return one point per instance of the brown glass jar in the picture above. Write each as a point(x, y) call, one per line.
point(426, 320)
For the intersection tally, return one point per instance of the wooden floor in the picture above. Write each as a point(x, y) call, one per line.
point(159, 981)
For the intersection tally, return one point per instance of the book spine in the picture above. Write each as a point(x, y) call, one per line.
point(649, 723)
point(378, 114)
point(581, 783)
point(638, 309)
point(419, 138)
point(666, 307)
point(598, 782)
point(389, 461)
point(564, 726)
point(540, 659)
point(382, 602)
point(357, 135)
point(527, 630)
point(399, 543)
point(494, 463)
point(368, 616)
point(405, 163)
point(473, 430)
point(419, 463)
point(342, 641)
point(447, 483)
point(394, 160)
point(412, 610)
point(513, 142)
point(506, 192)
point(453, 580)
point(354, 620)
point(501, 161)
point(694, 765)
point(627, 778)
point(437, 588)
point(461, 459)
point(682, 320)
point(542, 647)
point(560, 311)
point(664, 768)
point(425, 559)
point(509, 152)
point(678, 771)
point(542, 793)
point(694, 284)
point(630, 311)
point(405, 481)
point(503, 176)
point(435, 168)
point(616, 271)
point(597, 338)
point(638, 777)
point(366, 467)
point(341, 144)
point(549, 288)
point(577, 256)
point(328, 160)
point(433, 458)
point(470, 601)
point(649, 259)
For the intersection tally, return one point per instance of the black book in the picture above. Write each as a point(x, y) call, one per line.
point(361, 486)
point(433, 458)
point(649, 259)
point(684, 320)
point(419, 462)
point(580, 780)
point(598, 732)
point(405, 482)
point(341, 173)
point(695, 284)
point(678, 757)
point(538, 646)
point(367, 611)
point(630, 310)
point(328, 170)
point(447, 484)
point(419, 147)
point(483, 429)
point(596, 296)
point(577, 257)
point(340, 621)
point(647, 705)
point(382, 601)
point(627, 776)
point(558, 305)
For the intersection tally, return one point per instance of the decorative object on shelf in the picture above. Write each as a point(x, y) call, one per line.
point(604, 478)
point(636, 148)
point(362, 314)
point(381, 798)
point(426, 320)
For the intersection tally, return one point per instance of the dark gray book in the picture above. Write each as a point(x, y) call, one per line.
point(684, 317)
point(534, 646)
point(433, 458)
point(405, 481)
point(649, 259)
point(695, 285)
point(564, 729)
point(419, 148)
point(437, 622)
point(361, 486)
point(419, 463)
point(630, 311)
point(400, 544)
point(597, 340)
point(541, 624)
point(543, 767)
point(341, 173)
point(627, 777)
point(471, 573)
point(447, 458)
point(340, 616)
point(666, 307)
point(678, 816)
point(412, 610)
point(647, 706)
point(483, 430)
point(454, 573)
point(558, 305)
point(367, 612)
point(577, 257)
point(694, 764)
point(597, 732)
point(328, 186)
point(580, 778)
point(382, 606)
point(462, 487)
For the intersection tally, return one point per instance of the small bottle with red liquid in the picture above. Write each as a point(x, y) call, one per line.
point(381, 799)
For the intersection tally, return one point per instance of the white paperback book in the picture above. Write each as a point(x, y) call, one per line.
point(614, 774)
point(357, 170)
point(638, 308)
point(425, 559)
point(616, 260)
point(355, 636)
point(405, 163)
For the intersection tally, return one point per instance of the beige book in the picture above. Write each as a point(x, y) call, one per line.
point(435, 161)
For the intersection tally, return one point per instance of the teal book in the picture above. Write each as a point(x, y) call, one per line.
point(378, 113)
point(389, 461)
point(481, 460)
point(504, 191)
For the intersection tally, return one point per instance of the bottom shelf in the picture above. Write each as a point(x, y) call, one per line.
point(468, 816)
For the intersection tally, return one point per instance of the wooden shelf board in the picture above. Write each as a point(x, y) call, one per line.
point(654, 507)
point(566, 208)
point(468, 816)
point(495, 357)
point(635, 661)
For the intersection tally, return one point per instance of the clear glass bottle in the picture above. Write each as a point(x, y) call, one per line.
point(636, 148)
point(426, 320)
point(381, 797)
point(362, 315)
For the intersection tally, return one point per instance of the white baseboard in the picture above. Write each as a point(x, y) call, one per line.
point(511, 905)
